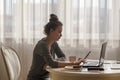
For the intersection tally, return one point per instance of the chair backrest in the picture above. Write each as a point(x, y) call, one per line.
point(12, 62)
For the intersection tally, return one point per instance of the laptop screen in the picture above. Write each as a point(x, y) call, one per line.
point(101, 58)
point(102, 53)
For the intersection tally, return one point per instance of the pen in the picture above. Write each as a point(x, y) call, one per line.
point(87, 55)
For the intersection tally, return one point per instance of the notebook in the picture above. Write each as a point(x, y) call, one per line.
point(100, 62)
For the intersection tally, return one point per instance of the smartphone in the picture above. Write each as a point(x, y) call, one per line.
point(87, 55)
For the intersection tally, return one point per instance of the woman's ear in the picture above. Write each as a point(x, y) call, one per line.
point(51, 30)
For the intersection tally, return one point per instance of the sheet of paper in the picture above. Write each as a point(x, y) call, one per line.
point(115, 66)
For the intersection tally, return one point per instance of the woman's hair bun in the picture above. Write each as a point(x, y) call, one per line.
point(53, 18)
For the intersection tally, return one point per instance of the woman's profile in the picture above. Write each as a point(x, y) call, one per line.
point(46, 49)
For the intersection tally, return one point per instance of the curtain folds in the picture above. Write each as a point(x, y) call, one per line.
point(87, 23)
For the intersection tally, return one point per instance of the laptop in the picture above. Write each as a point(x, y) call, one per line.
point(100, 62)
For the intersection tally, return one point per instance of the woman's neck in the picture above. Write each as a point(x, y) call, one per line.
point(49, 42)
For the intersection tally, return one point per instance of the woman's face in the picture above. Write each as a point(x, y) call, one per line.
point(56, 34)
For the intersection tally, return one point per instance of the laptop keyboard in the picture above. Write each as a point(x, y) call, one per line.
point(91, 63)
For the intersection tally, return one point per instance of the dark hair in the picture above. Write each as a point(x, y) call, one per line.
point(52, 24)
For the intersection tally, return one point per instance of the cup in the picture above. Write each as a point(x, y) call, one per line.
point(72, 58)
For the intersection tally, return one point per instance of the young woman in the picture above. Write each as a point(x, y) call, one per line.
point(46, 49)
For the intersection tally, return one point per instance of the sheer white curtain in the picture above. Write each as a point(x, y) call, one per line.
point(21, 26)
point(23, 20)
point(87, 23)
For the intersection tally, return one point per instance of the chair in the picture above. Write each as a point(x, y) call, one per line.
point(12, 62)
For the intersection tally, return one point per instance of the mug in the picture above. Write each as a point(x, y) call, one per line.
point(72, 58)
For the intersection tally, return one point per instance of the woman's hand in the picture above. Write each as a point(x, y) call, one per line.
point(79, 61)
point(82, 60)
